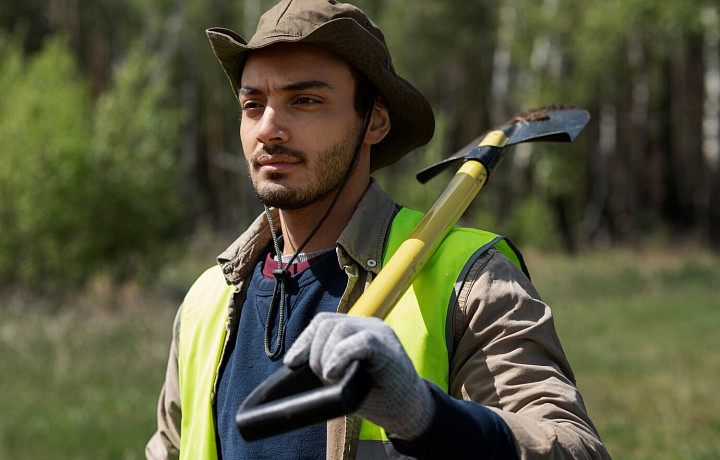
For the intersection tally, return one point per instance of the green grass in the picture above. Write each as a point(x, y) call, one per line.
point(81, 381)
point(641, 332)
point(79, 377)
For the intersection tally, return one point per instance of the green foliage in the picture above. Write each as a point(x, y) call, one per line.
point(89, 176)
point(45, 127)
point(131, 165)
point(410, 192)
point(531, 224)
point(82, 188)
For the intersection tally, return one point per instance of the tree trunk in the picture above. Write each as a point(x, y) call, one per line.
point(711, 120)
point(636, 192)
point(596, 212)
point(500, 81)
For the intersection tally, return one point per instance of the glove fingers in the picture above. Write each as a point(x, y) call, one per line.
point(343, 350)
point(339, 341)
point(399, 401)
point(332, 341)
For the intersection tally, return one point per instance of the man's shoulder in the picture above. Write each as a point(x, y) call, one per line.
point(211, 283)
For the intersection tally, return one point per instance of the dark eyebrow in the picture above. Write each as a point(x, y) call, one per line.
point(247, 90)
point(304, 85)
point(297, 86)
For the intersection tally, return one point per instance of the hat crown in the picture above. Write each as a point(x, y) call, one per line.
point(299, 18)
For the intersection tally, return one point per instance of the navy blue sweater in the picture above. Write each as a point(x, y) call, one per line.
point(316, 289)
point(460, 429)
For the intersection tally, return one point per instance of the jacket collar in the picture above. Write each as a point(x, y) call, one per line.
point(363, 239)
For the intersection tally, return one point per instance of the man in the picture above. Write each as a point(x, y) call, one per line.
point(468, 363)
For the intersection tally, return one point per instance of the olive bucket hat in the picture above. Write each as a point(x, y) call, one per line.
point(346, 31)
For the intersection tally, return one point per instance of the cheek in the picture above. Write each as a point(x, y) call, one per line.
point(247, 140)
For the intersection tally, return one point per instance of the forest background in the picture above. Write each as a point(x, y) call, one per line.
point(121, 175)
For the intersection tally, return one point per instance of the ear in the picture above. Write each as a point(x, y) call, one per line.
point(379, 124)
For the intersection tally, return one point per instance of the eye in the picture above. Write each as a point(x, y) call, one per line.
point(250, 105)
point(251, 109)
point(307, 100)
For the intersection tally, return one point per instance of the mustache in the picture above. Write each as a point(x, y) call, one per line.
point(277, 149)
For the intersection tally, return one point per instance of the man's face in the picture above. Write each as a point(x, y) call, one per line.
point(298, 126)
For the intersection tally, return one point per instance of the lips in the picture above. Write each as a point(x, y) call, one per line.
point(276, 159)
point(275, 163)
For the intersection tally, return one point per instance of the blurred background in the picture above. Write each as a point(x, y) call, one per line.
point(121, 179)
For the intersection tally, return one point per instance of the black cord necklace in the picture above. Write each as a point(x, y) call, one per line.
point(282, 274)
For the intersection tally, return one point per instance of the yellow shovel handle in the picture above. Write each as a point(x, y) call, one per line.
point(410, 258)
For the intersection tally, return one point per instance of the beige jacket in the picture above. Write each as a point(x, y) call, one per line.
point(507, 355)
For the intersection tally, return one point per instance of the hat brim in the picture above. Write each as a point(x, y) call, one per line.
point(411, 117)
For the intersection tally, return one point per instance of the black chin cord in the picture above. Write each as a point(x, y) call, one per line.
point(282, 274)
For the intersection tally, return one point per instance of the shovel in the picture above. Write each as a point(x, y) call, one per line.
point(295, 398)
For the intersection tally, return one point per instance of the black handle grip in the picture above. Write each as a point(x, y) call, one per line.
point(295, 398)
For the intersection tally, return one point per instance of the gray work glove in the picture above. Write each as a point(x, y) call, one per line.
point(399, 400)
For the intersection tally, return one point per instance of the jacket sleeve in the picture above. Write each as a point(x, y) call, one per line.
point(507, 357)
point(165, 443)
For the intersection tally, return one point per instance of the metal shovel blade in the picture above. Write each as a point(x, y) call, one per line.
point(547, 124)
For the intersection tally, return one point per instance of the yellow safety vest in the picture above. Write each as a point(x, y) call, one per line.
point(420, 320)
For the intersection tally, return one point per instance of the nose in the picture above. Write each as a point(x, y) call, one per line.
point(271, 127)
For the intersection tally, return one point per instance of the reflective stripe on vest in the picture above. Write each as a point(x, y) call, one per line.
point(421, 326)
point(422, 318)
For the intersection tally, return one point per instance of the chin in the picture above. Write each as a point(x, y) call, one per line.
point(276, 195)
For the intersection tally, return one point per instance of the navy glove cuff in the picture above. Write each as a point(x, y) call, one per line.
point(460, 429)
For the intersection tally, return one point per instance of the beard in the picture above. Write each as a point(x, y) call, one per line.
point(327, 175)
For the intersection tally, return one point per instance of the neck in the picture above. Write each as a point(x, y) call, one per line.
point(297, 224)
